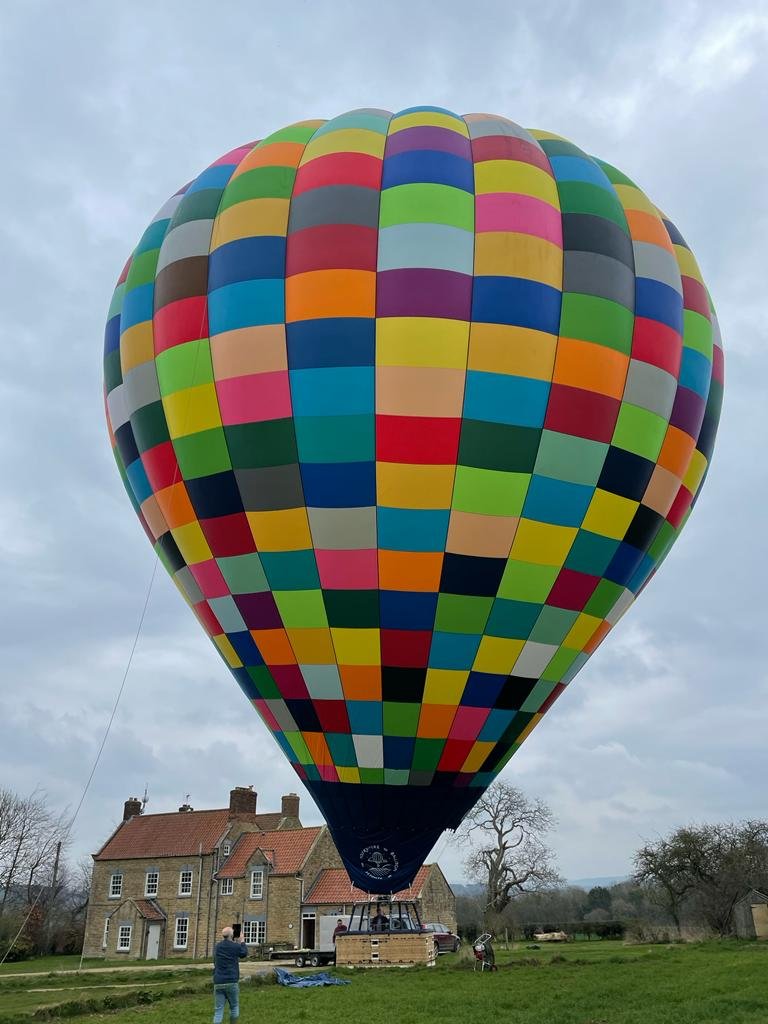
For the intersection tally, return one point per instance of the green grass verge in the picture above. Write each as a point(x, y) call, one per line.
point(578, 983)
point(72, 963)
point(89, 980)
point(92, 1001)
point(20, 996)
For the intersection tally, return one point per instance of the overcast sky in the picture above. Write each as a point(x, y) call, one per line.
point(106, 110)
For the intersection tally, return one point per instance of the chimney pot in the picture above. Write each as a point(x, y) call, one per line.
point(290, 806)
point(131, 808)
point(242, 802)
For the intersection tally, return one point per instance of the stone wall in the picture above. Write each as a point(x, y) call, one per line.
point(438, 902)
point(284, 909)
point(134, 872)
point(322, 855)
point(239, 906)
point(120, 912)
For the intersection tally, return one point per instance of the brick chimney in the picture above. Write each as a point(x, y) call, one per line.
point(131, 808)
point(290, 806)
point(242, 802)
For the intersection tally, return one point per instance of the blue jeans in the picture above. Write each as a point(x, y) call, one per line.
point(228, 993)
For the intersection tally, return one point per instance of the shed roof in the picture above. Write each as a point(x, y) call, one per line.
point(751, 894)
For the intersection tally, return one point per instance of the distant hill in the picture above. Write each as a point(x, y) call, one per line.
point(590, 883)
point(462, 889)
point(475, 889)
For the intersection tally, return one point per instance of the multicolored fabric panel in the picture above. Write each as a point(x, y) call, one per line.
point(412, 407)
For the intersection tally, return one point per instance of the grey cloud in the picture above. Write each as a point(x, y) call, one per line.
point(107, 111)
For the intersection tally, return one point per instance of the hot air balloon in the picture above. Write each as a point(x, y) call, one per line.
point(411, 407)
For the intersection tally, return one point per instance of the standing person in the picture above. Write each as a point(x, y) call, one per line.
point(338, 930)
point(226, 975)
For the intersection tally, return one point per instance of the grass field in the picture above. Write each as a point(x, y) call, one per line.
point(581, 983)
point(45, 964)
point(21, 996)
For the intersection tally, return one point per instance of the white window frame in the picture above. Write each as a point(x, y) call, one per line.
point(116, 885)
point(257, 884)
point(176, 943)
point(105, 936)
point(185, 887)
point(226, 849)
point(151, 891)
point(125, 931)
point(227, 886)
point(254, 933)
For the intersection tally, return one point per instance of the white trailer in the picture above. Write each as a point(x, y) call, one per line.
point(324, 951)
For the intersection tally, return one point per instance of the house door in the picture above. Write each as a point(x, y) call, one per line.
point(760, 918)
point(153, 941)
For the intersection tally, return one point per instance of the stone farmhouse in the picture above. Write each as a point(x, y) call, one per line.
point(164, 885)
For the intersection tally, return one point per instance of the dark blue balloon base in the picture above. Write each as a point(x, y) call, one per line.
point(385, 833)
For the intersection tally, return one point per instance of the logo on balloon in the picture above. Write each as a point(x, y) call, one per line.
point(378, 862)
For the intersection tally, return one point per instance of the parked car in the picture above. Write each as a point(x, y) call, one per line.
point(446, 941)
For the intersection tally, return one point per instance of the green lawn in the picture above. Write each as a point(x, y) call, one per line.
point(14, 1001)
point(72, 963)
point(20, 996)
point(578, 983)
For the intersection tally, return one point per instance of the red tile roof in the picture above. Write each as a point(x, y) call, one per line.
point(178, 834)
point(165, 835)
point(285, 850)
point(269, 822)
point(334, 886)
point(149, 910)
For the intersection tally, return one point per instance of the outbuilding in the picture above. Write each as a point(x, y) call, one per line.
point(750, 915)
point(333, 893)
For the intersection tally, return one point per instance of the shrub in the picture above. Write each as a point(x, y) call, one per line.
point(640, 932)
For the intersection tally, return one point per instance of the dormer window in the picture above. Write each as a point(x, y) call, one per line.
point(226, 849)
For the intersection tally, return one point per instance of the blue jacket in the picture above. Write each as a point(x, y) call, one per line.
point(226, 953)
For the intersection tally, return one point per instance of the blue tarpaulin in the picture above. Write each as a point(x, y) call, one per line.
point(306, 980)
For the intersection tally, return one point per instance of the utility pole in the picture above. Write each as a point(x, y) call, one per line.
point(53, 897)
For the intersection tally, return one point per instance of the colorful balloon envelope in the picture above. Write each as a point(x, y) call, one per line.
point(411, 407)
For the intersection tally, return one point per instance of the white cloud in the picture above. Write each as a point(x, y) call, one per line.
point(718, 54)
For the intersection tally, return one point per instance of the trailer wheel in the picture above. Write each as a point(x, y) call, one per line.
point(314, 960)
point(299, 961)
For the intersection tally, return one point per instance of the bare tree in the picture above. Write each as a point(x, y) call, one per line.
point(79, 887)
point(706, 868)
point(663, 868)
point(29, 835)
point(504, 831)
